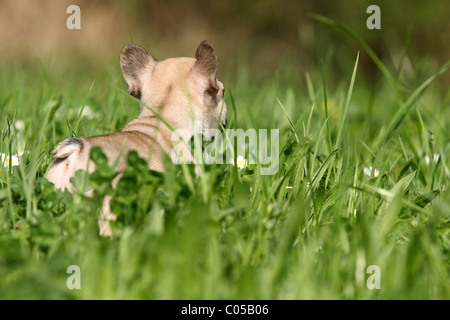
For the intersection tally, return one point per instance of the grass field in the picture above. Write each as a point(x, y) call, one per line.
point(363, 180)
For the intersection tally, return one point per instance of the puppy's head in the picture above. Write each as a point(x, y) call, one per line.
point(181, 90)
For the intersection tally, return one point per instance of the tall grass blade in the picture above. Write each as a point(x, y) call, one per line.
point(347, 103)
point(364, 45)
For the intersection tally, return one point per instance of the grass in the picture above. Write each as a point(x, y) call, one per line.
point(363, 180)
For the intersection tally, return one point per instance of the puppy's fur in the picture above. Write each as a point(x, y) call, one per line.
point(180, 90)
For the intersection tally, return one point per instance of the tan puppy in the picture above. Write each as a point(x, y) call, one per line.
point(180, 90)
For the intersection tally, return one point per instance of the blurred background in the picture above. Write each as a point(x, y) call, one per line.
point(262, 35)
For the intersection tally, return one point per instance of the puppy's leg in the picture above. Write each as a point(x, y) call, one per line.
point(105, 217)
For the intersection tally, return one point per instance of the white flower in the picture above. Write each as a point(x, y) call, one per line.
point(368, 172)
point(86, 111)
point(241, 162)
point(19, 125)
point(10, 160)
point(435, 158)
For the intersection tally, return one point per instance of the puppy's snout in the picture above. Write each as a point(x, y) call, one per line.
point(224, 125)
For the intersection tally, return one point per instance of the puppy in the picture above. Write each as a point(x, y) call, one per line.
point(178, 90)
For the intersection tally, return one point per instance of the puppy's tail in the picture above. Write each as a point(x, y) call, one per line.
point(65, 162)
point(65, 148)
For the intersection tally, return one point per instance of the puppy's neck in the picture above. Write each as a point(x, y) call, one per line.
point(156, 130)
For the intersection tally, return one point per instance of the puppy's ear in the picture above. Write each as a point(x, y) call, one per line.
point(205, 68)
point(134, 61)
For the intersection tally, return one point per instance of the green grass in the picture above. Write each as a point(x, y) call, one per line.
point(363, 180)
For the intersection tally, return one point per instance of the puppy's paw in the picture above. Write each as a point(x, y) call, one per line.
point(105, 228)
